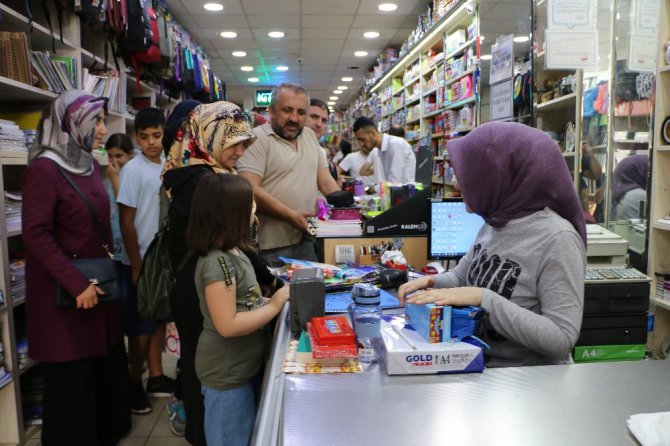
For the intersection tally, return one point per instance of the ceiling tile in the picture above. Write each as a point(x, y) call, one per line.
point(277, 6)
point(327, 21)
point(404, 7)
point(261, 34)
point(332, 44)
point(379, 21)
point(195, 7)
point(274, 21)
point(330, 6)
point(319, 34)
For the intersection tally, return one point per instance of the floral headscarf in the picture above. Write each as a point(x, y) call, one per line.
point(66, 133)
point(210, 128)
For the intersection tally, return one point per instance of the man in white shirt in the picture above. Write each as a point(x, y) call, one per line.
point(391, 158)
point(353, 162)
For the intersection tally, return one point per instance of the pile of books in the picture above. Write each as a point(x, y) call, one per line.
point(17, 277)
point(109, 84)
point(12, 137)
point(5, 376)
point(32, 390)
point(13, 204)
point(338, 228)
point(56, 73)
point(22, 353)
point(663, 285)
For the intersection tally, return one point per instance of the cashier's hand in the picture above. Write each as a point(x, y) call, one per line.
point(460, 297)
point(414, 285)
point(299, 220)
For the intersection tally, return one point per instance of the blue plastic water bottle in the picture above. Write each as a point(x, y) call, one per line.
point(366, 318)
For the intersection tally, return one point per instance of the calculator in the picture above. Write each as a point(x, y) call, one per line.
point(614, 273)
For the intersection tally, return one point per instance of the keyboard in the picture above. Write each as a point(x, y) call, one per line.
point(618, 273)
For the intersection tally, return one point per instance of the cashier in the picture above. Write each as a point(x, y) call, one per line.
point(526, 266)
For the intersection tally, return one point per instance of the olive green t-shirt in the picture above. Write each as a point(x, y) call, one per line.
point(225, 363)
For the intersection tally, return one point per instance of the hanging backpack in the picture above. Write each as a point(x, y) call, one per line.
point(152, 54)
point(117, 18)
point(91, 12)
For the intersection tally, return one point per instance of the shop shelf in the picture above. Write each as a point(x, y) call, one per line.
point(437, 135)
point(412, 100)
point(413, 121)
point(431, 114)
point(568, 154)
point(459, 77)
point(13, 91)
point(41, 38)
point(429, 92)
point(29, 365)
point(460, 103)
point(460, 49)
point(412, 81)
point(14, 232)
point(661, 226)
point(664, 69)
point(88, 60)
point(663, 148)
point(14, 158)
point(562, 102)
point(665, 304)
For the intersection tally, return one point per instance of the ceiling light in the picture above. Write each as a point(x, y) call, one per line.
point(386, 7)
point(276, 34)
point(371, 34)
point(228, 34)
point(521, 39)
point(361, 53)
point(485, 57)
point(342, 87)
point(331, 102)
point(347, 79)
point(213, 7)
point(333, 98)
point(239, 54)
point(253, 79)
point(337, 91)
point(282, 68)
point(247, 68)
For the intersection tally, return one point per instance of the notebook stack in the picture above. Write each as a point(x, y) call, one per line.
point(15, 57)
point(108, 84)
point(55, 73)
point(17, 277)
point(13, 203)
point(338, 228)
point(12, 137)
point(663, 285)
point(5, 376)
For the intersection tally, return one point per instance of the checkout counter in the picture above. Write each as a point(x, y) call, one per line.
point(548, 405)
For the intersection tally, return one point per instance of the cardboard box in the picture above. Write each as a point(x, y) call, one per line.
point(432, 322)
point(401, 358)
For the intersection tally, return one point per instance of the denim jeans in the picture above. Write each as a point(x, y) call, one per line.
point(229, 415)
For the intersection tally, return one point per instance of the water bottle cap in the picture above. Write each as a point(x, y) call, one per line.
point(366, 293)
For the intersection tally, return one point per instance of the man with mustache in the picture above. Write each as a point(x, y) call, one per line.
point(287, 168)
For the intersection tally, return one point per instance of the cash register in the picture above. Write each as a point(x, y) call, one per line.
point(616, 297)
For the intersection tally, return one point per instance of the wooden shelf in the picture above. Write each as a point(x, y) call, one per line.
point(14, 232)
point(413, 121)
point(88, 60)
point(460, 49)
point(14, 158)
point(412, 100)
point(15, 91)
point(661, 226)
point(660, 303)
point(429, 92)
point(664, 69)
point(568, 154)
point(460, 103)
point(412, 81)
point(434, 113)
point(562, 102)
point(41, 37)
point(663, 149)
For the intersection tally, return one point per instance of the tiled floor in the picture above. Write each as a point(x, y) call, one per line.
point(152, 429)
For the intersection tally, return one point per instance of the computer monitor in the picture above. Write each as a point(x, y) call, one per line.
point(452, 229)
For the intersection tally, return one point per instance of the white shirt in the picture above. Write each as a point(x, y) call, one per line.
point(352, 163)
point(338, 156)
point(395, 161)
point(139, 187)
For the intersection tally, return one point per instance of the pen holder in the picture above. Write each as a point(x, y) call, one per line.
point(368, 259)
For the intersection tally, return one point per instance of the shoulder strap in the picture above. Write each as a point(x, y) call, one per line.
point(94, 215)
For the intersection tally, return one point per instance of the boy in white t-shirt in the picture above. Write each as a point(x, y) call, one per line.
point(352, 164)
point(138, 201)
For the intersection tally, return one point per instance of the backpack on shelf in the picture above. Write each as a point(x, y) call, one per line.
point(117, 18)
point(91, 12)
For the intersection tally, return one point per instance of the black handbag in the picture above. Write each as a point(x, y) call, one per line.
point(99, 271)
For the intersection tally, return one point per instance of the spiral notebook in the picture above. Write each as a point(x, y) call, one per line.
point(339, 302)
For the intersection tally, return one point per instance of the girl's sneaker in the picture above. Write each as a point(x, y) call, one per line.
point(160, 386)
point(177, 416)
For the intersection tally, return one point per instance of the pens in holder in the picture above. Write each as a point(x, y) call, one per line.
point(402, 335)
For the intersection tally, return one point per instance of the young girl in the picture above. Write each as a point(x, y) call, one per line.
point(230, 348)
point(120, 150)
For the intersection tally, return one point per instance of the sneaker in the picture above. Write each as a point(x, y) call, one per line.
point(139, 403)
point(177, 416)
point(160, 385)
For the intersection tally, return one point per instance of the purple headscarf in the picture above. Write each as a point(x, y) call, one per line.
point(508, 171)
point(630, 173)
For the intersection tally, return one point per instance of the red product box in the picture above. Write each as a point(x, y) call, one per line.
point(332, 337)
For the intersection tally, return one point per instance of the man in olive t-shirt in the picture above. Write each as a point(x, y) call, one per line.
point(287, 167)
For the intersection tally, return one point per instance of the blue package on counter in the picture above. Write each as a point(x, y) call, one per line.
point(466, 321)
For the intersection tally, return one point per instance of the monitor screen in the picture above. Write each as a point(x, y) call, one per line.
point(452, 229)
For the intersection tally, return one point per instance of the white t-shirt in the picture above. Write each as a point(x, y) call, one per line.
point(352, 163)
point(395, 161)
point(139, 187)
point(338, 156)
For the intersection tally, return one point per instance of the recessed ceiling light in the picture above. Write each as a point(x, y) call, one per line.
point(485, 57)
point(239, 53)
point(276, 34)
point(347, 79)
point(247, 68)
point(361, 53)
point(282, 68)
point(342, 87)
point(253, 79)
point(386, 7)
point(333, 98)
point(371, 34)
point(213, 7)
point(337, 91)
point(521, 39)
point(228, 34)
point(331, 102)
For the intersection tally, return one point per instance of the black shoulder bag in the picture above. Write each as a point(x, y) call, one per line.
point(99, 271)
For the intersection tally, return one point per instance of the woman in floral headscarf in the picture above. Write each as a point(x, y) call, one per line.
point(81, 348)
point(213, 138)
